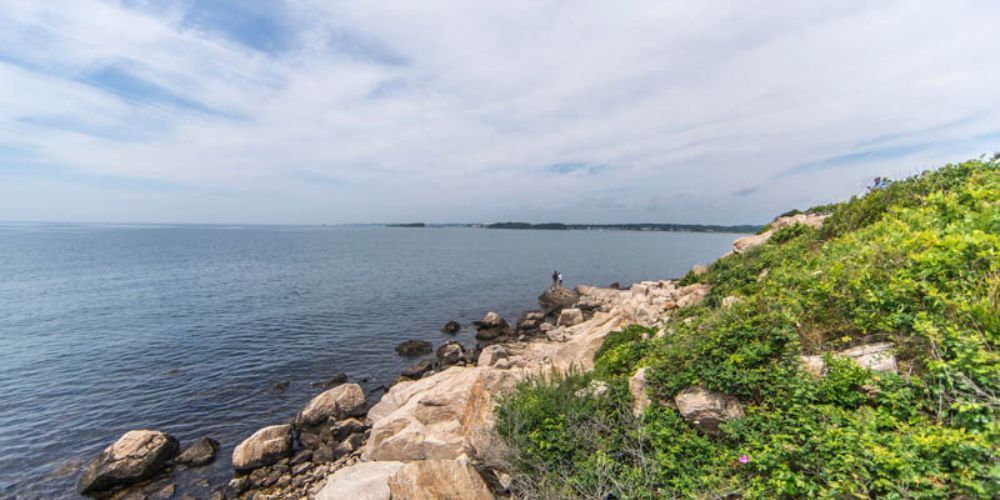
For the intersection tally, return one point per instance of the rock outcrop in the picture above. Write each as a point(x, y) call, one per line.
point(706, 410)
point(555, 298)
point(748, 243)
point(438, 480)
point(264, 447)
point(137, 455)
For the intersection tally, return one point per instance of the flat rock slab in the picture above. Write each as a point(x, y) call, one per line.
point(361, 481)
point(438, 480)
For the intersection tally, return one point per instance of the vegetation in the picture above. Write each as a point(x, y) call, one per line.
point(694, 228)
point(915, 263)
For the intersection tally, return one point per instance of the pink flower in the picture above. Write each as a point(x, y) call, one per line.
point(744, 459)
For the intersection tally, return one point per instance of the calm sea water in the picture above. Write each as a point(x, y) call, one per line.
point(186, 329)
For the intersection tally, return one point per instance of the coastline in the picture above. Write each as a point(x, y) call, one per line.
point(444, 413)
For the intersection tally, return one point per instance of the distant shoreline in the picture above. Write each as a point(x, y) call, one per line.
point(558, 226)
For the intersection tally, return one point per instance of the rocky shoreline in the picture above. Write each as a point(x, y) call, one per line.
point(431, 435)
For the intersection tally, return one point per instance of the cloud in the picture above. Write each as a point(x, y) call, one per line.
point(747, 191)
point(309, 111)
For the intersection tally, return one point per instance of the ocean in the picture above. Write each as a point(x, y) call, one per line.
point(188, 329)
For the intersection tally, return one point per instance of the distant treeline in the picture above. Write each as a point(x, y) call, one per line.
point(697, 228)
point(408, 224)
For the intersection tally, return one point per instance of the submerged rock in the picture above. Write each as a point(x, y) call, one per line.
point(264, 447)
point(414, 348)
point(201, 452)
point(418, 370)
point(451, 327)
point(336, 380)
point(137, 455)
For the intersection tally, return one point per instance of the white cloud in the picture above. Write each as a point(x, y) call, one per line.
point(456, 111)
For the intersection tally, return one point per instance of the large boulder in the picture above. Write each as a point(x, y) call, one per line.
point(492, 327)
point(201, 452)
point(264, 447)
point(420, 420)
point(705, 409)
point(438, 480)
point(347, 400)
point(638, 387)
point(137, 455)
point(570, 317)
point(361, 481)
point(555, 298)
point(414, 348)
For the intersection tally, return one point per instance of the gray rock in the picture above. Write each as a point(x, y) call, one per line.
point(201, 452)
point(137, 455)
point(450, 353)
point(492, 327)
point(451, 327)
point(301, 457)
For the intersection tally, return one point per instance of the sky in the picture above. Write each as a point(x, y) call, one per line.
point(322, 111)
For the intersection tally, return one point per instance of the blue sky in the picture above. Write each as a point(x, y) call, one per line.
point(319, 111)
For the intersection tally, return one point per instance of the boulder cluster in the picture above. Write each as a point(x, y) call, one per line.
point(140, 456)
point(285, 461)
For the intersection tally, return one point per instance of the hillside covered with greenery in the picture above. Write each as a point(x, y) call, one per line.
point(916, 264)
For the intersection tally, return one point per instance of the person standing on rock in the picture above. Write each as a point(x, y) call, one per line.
point(559, 276)
point(555, 278)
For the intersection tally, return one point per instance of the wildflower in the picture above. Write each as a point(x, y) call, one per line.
point(744, 459)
